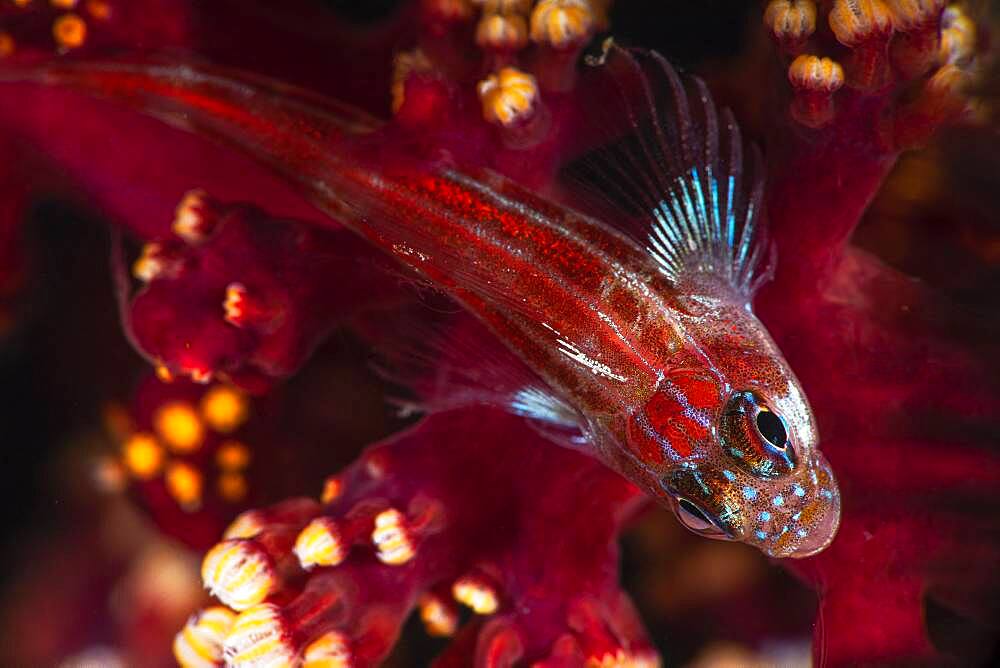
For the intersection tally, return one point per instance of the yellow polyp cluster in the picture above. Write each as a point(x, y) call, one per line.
point(508, 97)
point(815, 73)
point(403, 65)
point(439, 617)
point(330, 650)
point(199, 643)
point(915, 14)
point(815, 80)
point(791, 22)
point(958, 37)
point(333, 487)
point(190, 222)
point(198, 375)
point(148, 266)
point(7, 45)
point(70, 23)
point(857, 21)
point(185, 484)
point(257, 638)
point(393, 543)
point(890, 43)
point(647, 660)
point(143, 456)
point(562, 23)
point(320, 544)
point(246, 525)
point(947, 83)
point(476, 594)
point(155, 262)
point(502, 32)
point(624, 659)
point(179, 429)
point(232, 456)
point(504, 28)
point(234, 305)
point(224, 408)
point(238, 573)
point(179, 426)
point(69, 31)
point(616, 659)
point(232, 487)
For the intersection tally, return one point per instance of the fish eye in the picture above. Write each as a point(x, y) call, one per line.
point(771, 427)
point(693, 517)
point(757, 436)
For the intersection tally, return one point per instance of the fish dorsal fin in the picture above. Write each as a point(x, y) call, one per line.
point(673, 175)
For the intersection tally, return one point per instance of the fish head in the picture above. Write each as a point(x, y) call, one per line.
point(742, 458)
point(759, 483)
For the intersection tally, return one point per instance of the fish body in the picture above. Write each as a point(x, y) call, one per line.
point(651, 366)
point(646, 343)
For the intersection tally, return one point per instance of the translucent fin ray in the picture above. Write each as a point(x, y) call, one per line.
point(673, 175)
point(461, 363)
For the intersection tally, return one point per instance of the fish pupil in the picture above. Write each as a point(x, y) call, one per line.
point(772, 428)
point(693, 510)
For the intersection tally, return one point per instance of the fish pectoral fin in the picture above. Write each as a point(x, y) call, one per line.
point(671, 174)
point(458, 362)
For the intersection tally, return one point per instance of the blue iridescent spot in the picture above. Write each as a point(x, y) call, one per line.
point(736, 453)
point(801, 533)
point(799, 491)
point(784, 530)
point(778, 500)
point(797, 515)
point(749, 493)
point(730, 476)
point(764, 516)
point(826, 494)
point(761, 534)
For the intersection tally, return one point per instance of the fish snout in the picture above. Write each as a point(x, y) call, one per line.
point(799, 518)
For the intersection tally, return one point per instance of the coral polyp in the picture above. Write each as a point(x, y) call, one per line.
point(398, 537)
point(586, 288)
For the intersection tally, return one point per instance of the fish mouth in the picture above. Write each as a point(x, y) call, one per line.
point(806, 521)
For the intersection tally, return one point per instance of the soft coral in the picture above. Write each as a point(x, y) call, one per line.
point(905, 406)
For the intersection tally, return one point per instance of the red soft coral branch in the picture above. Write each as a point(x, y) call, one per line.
point(897, 378)
point(453, 508)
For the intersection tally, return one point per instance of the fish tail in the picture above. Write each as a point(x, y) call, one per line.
point(294, 131)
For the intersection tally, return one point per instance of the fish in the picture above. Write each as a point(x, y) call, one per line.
point(633, 330)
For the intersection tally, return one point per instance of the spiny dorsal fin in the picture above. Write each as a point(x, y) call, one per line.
point(674, 170)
